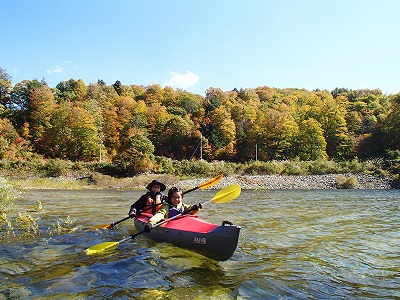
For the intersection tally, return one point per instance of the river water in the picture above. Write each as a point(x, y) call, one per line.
point(294, 244)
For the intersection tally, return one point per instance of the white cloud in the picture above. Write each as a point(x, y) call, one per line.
point(182, 81)
point(57, 69)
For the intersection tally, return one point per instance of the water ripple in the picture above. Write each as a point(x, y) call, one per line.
point(293, 245)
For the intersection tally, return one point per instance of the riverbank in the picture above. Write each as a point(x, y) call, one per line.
point(328, 181)
point(260, 182)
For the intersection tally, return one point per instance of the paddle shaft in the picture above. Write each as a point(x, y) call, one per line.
point(120, 221)
point(191, 190)
point(156, 225)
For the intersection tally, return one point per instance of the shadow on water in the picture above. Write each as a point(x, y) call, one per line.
point(293, 245)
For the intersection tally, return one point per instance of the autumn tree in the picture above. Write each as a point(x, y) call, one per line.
point(177, 140)
point(223, 133)
point(111, 129)
point(391, 127)
point(138, 91)
point(333, 123)
point(157, 118)
point(136, 154)
point(58, 134)
point(154, 95)
point(191, 103)
point(275, 132)
point(12, 146)
point(41, 108)
point(20, 102)
point(84, 140)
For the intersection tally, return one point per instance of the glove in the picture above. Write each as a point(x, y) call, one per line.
point(132, 213)
point(148, 227)
point(196, 207)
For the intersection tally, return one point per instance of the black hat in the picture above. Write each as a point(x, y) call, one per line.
point(157, 182)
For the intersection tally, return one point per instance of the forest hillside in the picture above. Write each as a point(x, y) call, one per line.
point(138, 128)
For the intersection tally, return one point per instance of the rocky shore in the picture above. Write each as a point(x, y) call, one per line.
point(329, 181)
point(258, 182)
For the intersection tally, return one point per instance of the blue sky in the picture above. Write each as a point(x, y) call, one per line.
point(194, 45)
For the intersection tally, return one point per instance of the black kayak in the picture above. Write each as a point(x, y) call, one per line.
point(217, 242)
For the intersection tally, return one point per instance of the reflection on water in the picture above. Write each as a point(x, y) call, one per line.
point(293, 245)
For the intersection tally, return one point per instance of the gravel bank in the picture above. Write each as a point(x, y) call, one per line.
point(328, 181)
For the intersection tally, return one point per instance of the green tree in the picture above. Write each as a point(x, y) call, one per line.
point(215, 97)
point(191, 103)
point(5, 87)
point(71, 90)
point(311, 144)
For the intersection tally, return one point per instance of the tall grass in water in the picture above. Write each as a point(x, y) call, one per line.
point(23, 224)
point(7, 195)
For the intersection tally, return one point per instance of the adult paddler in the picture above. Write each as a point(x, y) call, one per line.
point(150, 202)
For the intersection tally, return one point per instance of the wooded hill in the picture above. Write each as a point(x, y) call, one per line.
point(132, 124)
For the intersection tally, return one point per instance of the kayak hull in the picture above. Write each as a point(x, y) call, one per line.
point(217, 242)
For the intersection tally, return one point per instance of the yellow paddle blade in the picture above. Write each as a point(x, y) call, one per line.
point(101, 247)
point(104, 226)
point(227, 194)
point(211, 182)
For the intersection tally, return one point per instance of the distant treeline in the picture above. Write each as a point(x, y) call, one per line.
point(131, 125)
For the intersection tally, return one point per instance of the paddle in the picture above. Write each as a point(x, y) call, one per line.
point(225, 195)
point(206, 184)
